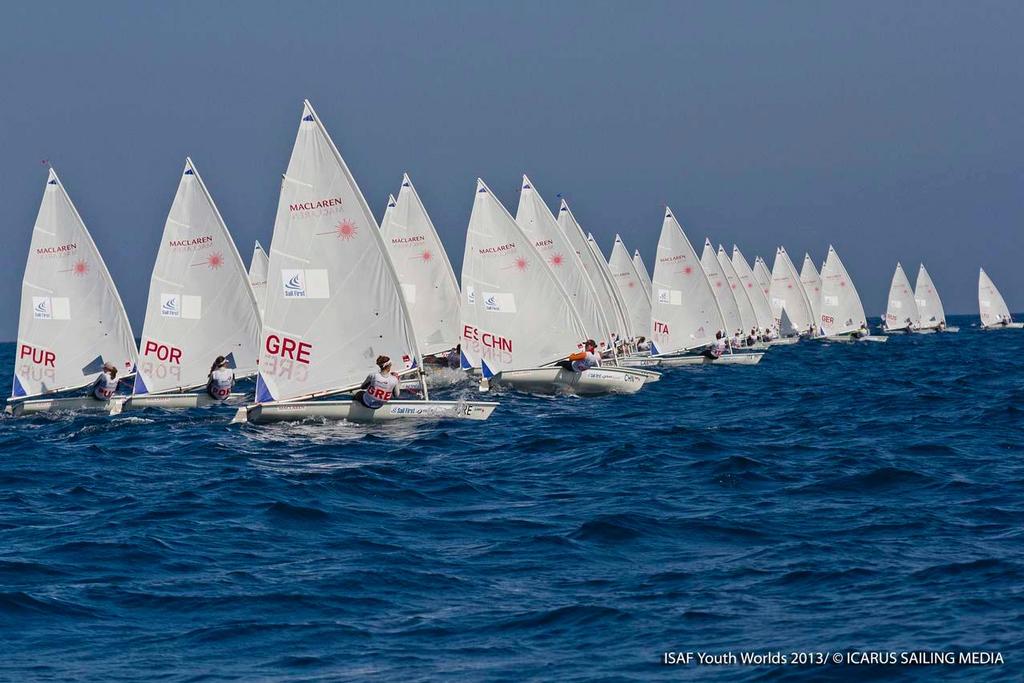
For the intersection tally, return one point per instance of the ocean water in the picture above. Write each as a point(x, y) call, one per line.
point(835, 497)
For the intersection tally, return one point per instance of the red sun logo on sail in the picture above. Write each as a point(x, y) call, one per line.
point(81, 268)
point(346, 229)
point(521, 264)
point(215, 261)
point(426, 255)
point(557, 260)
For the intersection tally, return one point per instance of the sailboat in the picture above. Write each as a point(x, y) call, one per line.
point(748, 320)
point(641, 270)
point(723, 292)
point(685, 314)
point(628, 333)
point(71, 320)
point(535, 220)
point(630, 285)
point(518, 320)
point(258, 275)
point(200, 306)
point(787, 292)
point(842, 313)
point(901, 314)
point(992, 307)
point(335, 302)
point(597, 271)
point(811, 282)
point(763, 277)
point(757, 293)
point(929, 305)
point(428, 282)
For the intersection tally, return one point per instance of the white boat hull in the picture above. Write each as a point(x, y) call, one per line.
point(727, 359)
point(355, 411)
point(78, 404)
point(850, 338)
point(182, 401)
point(1011, 326)
point(782, 341)
point(592, 382)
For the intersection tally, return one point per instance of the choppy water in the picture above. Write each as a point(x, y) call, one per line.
point(835, 497)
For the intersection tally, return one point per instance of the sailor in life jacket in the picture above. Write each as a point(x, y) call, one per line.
point(642, 344)
point(582, 361)
point(106, 384)
point(717, 348)
point(221, 379)
point(379, 387)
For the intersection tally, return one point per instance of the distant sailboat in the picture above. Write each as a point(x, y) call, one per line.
point(428, 282)
point(763, 277)
point(631, 286)
point(723, 292)
point(641, 270)
point(200, 305)
point(787, 292)
point(842, 313)
point(992, 307)
point(929, 305)
point(811, 282)
point(258, 275)
point(602, 264)
point(71, 320)
point(335, 302)
point(757, 293)
point(901, 314)
point(748, 320)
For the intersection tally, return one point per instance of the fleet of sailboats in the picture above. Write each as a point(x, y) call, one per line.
point(537, 308)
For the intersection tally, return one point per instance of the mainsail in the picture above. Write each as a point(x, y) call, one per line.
point(991, 305)
point(71, 319)
point(631, 286)
point(200, 303)
point(424, 271)
point(515, 312)
point(811, 281)
point(901, 312)
point(739, 292)
point(720, 286)
point(763, 277)
point(333, 302)
point(929, 305)
point(757, 292)
point(641, 271)
point(684, 312)
point(786, 291)
point(841, 309)
point(258, 275)
point(536, 221)
point(597, 271)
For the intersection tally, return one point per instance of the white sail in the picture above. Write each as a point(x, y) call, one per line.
point(758, 295)
point(71, 319)
point(607, 292)
point(811, 282)
point(763, 277)
point(748, 319)
point(424, 271)
point(258, 275)
point(720, 286)
point(641, 271)
point(631, 286)
point(841, 308)
point(684, 311)
point(786, 326)
point(787, 291)
point(929, 305)
point(991, 304)
point(607, 274)
point(333, 299)
point(536, 221)
point(200, 303)
point(515, 312)
point(901, 311)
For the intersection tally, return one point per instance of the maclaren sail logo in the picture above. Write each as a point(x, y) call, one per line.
point(315, 208)
point(191, 243)
point(407, 239)
point(500, 249)
point(57, 251)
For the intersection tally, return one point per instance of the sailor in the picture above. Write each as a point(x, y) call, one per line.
point(810, 331)
point(752, 337)
point(221, 379)
point(941, 327)
point(642, 344)
point(106, 384)
point(737, 339)
point(861, 332)
point(379, 387)
point(582, 361)
point(455, 357)
point(717, 348)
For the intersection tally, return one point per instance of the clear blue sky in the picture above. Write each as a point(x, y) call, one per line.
point(894, 130)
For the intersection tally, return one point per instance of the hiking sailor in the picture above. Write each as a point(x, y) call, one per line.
point(379, 387)
point(221, 379)
point(106, 384)
point(582, 361)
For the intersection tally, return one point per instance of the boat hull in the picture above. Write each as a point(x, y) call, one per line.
point(783, 341)
point(727, 359)
point(592, 382)
point(1011, 326)
point(175, 401)
point(354, 411)
point(78, 404)
point(850, 338)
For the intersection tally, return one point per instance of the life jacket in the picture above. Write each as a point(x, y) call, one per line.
point(380, 388)
point(104, 387)
point(221, 382)
point(584, 360)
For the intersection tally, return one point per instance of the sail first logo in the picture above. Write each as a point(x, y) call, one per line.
point(170, 306)
point(305, 284)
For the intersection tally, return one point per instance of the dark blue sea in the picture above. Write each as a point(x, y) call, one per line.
point(834, 498)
